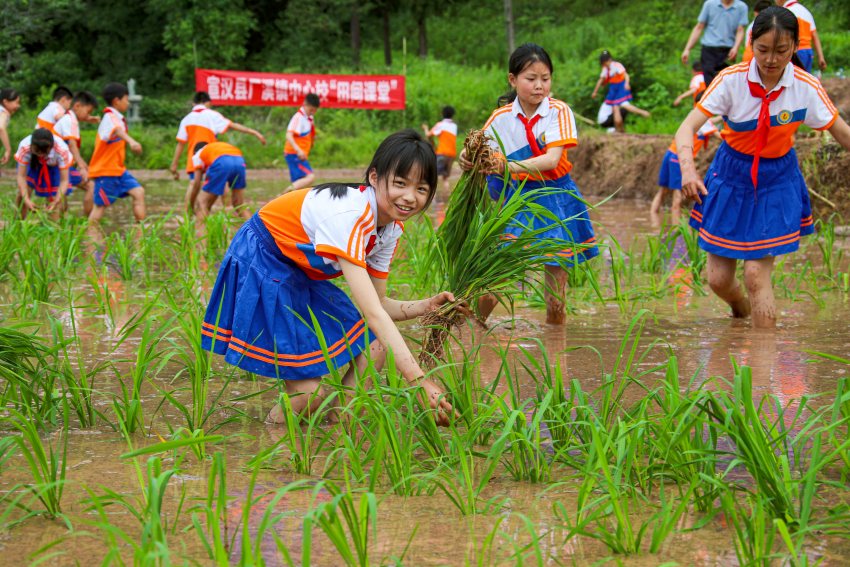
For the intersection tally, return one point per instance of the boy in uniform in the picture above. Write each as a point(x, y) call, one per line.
point(55, 109)
point(224, 167)
point(446, 133)
point(68, 128)
point(111, 179)
point(202, 124)
point(299, 141)
point(43, 163)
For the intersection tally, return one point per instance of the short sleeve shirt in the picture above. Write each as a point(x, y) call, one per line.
point(201, 125)
point(721, 23)
point(59, 156)
point(68, 127)
point(314, 229)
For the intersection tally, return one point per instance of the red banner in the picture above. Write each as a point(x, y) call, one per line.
point(245, 88)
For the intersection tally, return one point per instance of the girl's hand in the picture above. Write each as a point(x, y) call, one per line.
point(135, 147)
point(464, 163)
point(593, 95)
point(436, 398)
point(5, 159)
point(440, 299)
point(693, 187)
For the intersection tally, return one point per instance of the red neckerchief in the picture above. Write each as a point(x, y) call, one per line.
point(789, 4)
point(529, 133)
point(763, 127)
point(44, 175)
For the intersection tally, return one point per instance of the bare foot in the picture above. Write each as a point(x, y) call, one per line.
point(276, 415)
point(741, 308)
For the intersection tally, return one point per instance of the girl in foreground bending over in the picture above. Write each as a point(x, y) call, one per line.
point(753, 204)
point(274, 278)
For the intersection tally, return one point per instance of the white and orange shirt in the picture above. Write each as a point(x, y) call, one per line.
point(4, 117)
point(59, 156)
point(614, 72)
point(697, 84)
point(315, 229)
point(446, 133)
point(553, 124)
point(303, 130)
point(51, 114)
point(802, 101)
point(109, 150)
point(805, 21)
point(205, 157)
point(68, 127)
point(201, 125)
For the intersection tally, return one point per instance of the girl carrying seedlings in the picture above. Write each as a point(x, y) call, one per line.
point(753, 204)
point(619, 90)
point(273, 280)
point(536, 131)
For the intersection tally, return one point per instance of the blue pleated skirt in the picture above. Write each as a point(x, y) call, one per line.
point(617, 94)
point(259, 314)
point(737, 221)
point(565, 205)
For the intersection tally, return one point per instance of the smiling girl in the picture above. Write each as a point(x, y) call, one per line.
point(753, 204)
point(273, 280)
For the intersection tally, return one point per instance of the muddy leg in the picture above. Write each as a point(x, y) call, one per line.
point(655, 208)
point(240, 209)
point(305, 396)
point(556, 283)
point(676, 209)
point(759, 287)
point(721, 278)
point(639, 111)
point(486, 305)
point(618, 120)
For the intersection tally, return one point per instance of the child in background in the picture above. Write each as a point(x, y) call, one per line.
point(808, 35)
point(43, 163)
point(446, 133)
point(68, 128)
point(224, 167)
point(753, 204)
point(299, 141)
point(619, 89)
point(202, 124)
point(670, 175)
point(696, 87)
point(111, 179)
point(10, 102)
point(272, 281)
point(536, 131)
point(55, 109)
point(748, 45)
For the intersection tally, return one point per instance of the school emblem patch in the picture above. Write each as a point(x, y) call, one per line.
point(784, 116)
point(543, 138)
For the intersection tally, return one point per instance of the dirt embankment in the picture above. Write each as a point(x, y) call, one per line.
point(629, 163)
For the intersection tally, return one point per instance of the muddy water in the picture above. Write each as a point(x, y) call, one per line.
point(427, 529)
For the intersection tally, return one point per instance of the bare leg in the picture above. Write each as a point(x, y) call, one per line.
point(94, 231)
point(759, 287)
point(88, 197)
point(676, 208)
point(188, 200)
point(138, 196)
point(203, 204)
point(618, 120)
point(655, 208)
point(721, 278)
point(240, 209)
point(639, 111)
point(305, 181)
point(556, 283)
point(486, 305)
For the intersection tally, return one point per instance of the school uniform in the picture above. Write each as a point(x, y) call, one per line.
point(524, 137)
point(615, 75)
point(806, 25)
point(111, 179)
point(224, 166)
point(757, 203)
point(202, 124)
point(304, 132)
point(670, 175)
point(48, 117)
point(68, 128)
point(274, 280)
point(43, 173)
point(446, 133)
point(697, 84)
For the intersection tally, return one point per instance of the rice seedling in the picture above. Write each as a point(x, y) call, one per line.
point(27, 383)
point(47, 463)
point(121, 248)
point(830, 255)
point(753, 528)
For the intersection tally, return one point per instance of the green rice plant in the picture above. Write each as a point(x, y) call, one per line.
point(825, 231)
point(219, 233)
point(413, 275)
point(47, 463)
point(97, 277)
point(696, 256)
point(520, 442)
point(122, 248)
point(530, 553)
point(795, 543)
point(754, 533)
point(840, 417)
point(27, 383)
point(210, 519)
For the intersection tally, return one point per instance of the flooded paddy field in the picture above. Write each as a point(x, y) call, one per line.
point(650, 429)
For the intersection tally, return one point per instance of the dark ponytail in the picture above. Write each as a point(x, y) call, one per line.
point(523, 56)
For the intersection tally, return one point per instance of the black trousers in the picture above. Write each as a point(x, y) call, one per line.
point(713, 61)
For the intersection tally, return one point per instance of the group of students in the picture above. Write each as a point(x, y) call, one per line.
point(274, 312)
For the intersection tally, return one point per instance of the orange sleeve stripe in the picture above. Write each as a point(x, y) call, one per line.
point(498, 112)
point(377, 274)
point(831, 123)
point(361, 229)
point(703, 110)
point(354, 231)
point(809, 80)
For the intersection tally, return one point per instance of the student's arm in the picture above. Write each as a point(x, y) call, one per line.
point(245, 130)
point(628, 81)
point(63, 188)
point(683, 96)
point(178, 151)
point(596, 88)
point(692, 40)
point(546, 162)
point(23, 188)
point(290, 137)
point(841, 132)
point(135, 146)
point(82, 166)
point(406, 310)
point(4, 137)
point(819, 50)
point(426, 130)
point(367, 299)
point(739, 37)
point(692, 185)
